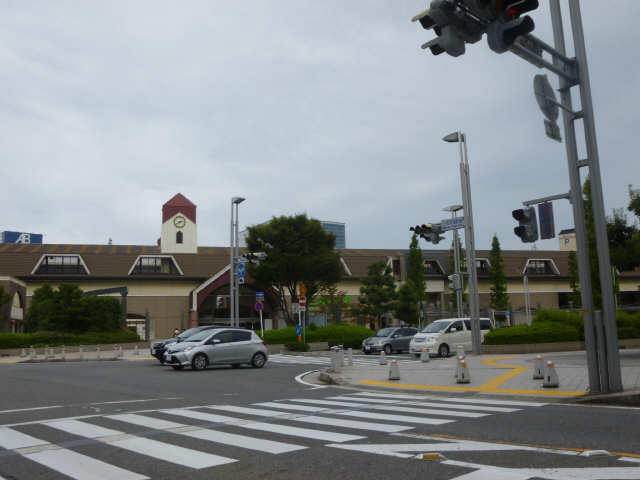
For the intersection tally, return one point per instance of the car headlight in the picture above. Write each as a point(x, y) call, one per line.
point(188, 349)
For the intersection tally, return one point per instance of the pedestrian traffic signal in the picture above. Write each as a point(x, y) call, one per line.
point(509, 24)
point(528, 228)
point(429, 231)
point(454, 26)
point(455, 282)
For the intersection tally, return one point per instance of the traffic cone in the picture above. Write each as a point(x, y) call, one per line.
point(538, 368)
point(424, 356)
point(383, 358)
point(394, 371)
point(550, 376)
point(462, 372)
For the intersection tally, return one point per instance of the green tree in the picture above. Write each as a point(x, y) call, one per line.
point(331, 301)
point(574, 280)
point(298, 250)
point(415, 275)
point(378, 291)
point(4, 297)
point(498, 295)
point(41, 308)
point(406, 307)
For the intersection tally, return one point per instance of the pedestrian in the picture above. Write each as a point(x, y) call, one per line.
point(176, 332)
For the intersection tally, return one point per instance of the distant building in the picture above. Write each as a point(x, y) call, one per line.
point(567, 239)
point(337, 228)
point(20, 237)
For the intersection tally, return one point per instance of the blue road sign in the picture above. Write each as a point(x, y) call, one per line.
point(259, 306)
point(259, 296)
point(547, 227)
point(241, 270)
point(298, 330)
point(452, 223)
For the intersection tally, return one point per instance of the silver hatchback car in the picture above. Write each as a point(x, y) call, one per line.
point(220, 346)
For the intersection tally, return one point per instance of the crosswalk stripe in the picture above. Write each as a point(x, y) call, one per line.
point(366, 400)
point(459, 406)
point(474, 400)
point(266, 427)
point(288, 406)
point(215, 436)
point(354, 403)
point(144, 446)
point(394, 418)
point(378, 427)
point(401, 408)
point(12, 439)
point(81, 467)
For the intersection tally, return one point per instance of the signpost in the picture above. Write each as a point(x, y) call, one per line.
point(241, 272)
point(259, 306)
point(545, 216)
point(454, 223)
point(302, 307)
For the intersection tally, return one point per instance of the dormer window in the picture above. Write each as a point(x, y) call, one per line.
point(540, 266)
point(432, 267)
point(178, 237)
point(155, 265)
point(60, 265)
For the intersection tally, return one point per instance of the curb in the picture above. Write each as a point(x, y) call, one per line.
point(630, 398)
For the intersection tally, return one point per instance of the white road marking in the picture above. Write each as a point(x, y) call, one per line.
point(30, 409)
point(298, 378)
point(378, 427)
point(474, 400)
point(266, 427)
point(12, 439)
point(144, 446)
point(126, 401)
point(81, 467)
point(286, 406)
point(216, 436)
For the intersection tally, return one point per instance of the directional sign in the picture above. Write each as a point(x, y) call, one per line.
point(545, 214)
point(452, 223)
point(258, 306)
point(241, 270)
point(298, 330)
point(259, 296)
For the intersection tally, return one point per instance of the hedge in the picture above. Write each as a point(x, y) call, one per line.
point(559, 326)
point(41, 339)
point(351, 336)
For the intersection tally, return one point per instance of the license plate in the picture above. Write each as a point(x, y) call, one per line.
point(367, 347)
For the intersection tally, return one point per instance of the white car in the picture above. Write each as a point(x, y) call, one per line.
point(441, 337)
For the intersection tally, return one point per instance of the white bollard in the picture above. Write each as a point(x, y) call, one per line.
point(98, 352)
point(81, 352)
point(394, 371)
point(350, 357)
point(115, 351)
point(135, 351)
point(341, 357)
point(462, 372)
point(23, 353)
point(550, 376)
point(538, 368)
point(32, 353)
point(63, 353)
point(383, 358)
point(460, 351)
point(424, 355)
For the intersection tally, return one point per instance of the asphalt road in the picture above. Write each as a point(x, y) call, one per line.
point(259, 443)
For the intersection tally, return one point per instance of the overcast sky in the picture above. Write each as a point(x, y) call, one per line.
point(109, 108)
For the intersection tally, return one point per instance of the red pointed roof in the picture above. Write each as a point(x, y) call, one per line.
point(179, 204)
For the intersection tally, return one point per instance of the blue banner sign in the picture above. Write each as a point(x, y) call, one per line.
point(547, 227)
point(452, 223)
point(20, 237)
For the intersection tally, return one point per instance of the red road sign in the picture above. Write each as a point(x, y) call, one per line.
point(302, 300)
point(258, 306)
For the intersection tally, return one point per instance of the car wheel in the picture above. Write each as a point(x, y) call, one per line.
point(417, 355)
point(199, 362)
point(161, 360)
point(177, 367)
point(443, 351)
point(258, 360)
point(387, 349)
point(235, 365)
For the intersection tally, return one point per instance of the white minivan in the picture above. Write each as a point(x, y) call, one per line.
point(443, 336)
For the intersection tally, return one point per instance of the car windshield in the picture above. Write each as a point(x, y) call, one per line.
point(435, 327)
point(198, 337)
point(188, 333)
point(385, 332)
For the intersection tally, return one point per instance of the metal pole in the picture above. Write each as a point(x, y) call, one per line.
point(232, 273)
point(470, 244)
point(236, 254)
point(602, 347)
point(527, 302)
point(604, 261)
point(584, 275)
point(456, 267)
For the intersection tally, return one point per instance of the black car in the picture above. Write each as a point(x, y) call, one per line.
point(159, 347)
point(390, 339)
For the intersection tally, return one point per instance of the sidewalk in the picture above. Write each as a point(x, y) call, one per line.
point(73, 354)
point(489, 374)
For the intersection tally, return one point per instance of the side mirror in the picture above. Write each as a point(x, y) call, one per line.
point(216, 340)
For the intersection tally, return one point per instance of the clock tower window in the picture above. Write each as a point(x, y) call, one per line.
point(178, 237)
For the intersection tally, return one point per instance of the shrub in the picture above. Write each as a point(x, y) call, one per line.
point(40, 339)
point(335, 334)
point(297, 346)
point(540, 332)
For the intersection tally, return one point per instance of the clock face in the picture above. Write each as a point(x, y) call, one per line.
point(179, 221)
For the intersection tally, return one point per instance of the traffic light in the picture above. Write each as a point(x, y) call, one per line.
point(429, 231)
point(528, 228)
point(453, 25)
point(455, 282)
point(509, 24)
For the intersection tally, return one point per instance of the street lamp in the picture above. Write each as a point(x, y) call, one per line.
point(234, 303)
point(454, 209)
point(461, 139)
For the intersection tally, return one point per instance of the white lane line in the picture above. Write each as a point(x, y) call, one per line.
point(30, 409)
point(367, 400)
point(287, 406)
point(12, 439)
point(144, 446)
point(126, 401)
point(336, 422)
point(386, 405)
point(459, 406)
point(299, 378)
point(394, 418)
point(490, 401)
point(81, 467)
point(266, 427)
point(216, 436)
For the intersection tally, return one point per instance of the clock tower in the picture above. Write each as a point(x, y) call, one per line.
point(179, 229)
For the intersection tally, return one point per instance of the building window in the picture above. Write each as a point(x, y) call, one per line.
point(178, 237)
point(61, 264)
point(482, 266)
point(155, 265)
point(431, 267)
point(539, 267)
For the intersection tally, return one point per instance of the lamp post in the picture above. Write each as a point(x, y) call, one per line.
point(234, 303)
point(461, 139)
point(456, 256)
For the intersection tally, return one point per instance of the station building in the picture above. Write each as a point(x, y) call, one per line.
point(177, 284)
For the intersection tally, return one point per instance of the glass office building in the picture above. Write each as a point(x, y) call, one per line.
point(337, 228)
